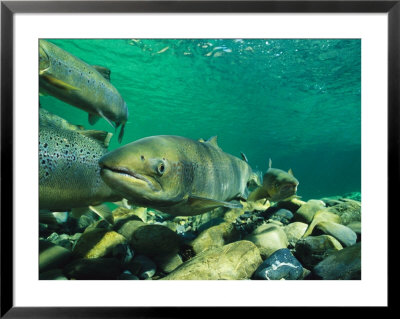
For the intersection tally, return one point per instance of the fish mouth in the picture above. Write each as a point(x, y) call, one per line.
point(117, 172)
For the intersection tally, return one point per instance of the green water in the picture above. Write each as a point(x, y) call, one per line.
point(296, 101)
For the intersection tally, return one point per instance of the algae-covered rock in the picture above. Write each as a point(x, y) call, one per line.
point(349, 211)
point(93, 269)
point(340, 265)
point(311, 250)
point(52, 256)
point(268, 238)
point(342, 233)
point(97, 243)
point(215, 236)
point(235, 261)
point(154, 240)
point(294, 232)
point(306, 212)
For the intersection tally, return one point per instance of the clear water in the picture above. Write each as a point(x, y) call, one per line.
point(296, 101)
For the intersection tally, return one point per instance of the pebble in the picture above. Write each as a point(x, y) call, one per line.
point(312, 249)
point(344, 264)
point(306, 212)
point(342, 233)
point(215, 236)
point(282, 215)
point(234, 261)
point(280, 265)
point(268, 238)
point(294, 232)
point(97, 242)
point(52, 256)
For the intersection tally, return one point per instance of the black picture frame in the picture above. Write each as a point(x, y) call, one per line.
point(9, 8)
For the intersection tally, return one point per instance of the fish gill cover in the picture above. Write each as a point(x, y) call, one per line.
point(297, 101)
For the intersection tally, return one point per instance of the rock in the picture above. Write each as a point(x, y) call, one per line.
point(128, 228)
point(293, 205)
point(142, 266)
point(353, 195)
point(294, 232)
point(215, 236)
point(235, 261)
point(122, 215)
point(259, 205)
point(321, 216)
point(280, 265)
point(93, 269)
point(152, 240)
point(342, 233)
point(168, 263)
point(356, 227)
point(311, 250)
point(53, 274)
point(349, 211)
point(98, 242)
point(306, 212)
point(231, 215)
point(340, 265)
point(52, 256)
point(282, 215)
point(268, 238)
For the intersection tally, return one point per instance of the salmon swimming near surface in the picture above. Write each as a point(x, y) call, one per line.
point(176, 175)
point(75, 82)
point(277, 185)
point(69, 174)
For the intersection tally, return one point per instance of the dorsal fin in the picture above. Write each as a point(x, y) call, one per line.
point(244, 157)
point(102, 136)
point(213, 141)
point(105, 72)
point(270, 163)
point(201, 140)
point(290, 172)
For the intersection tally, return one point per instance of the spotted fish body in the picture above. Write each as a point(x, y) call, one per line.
point(69, 175)
point(75, 82)
point(176, 175)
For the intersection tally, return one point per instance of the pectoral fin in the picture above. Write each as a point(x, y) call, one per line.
point(58, 83)
point(106, 118)
point(93, 118)
point(208, 204)
point(121, 133)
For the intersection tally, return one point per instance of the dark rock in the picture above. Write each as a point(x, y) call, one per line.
point(93, 269)
point(280, 265)
point(127, 275)
point(53, 274)
point(313, 249)
point(141, 266)
point(282, 215)
point(52, 256)
point(340, 265)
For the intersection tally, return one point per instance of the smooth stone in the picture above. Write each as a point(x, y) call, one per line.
point(97, 243)
point(268, 238)
point(340, 265)
point(168, 263)
point(280, 265)
point(93, 269)
point(128, 228)
point(356, 227)
point(321, 216)
point(294, 232)
point(142, 266)
point(312, 249)
point(215, 236)
point(349, 211)
point(52, 274)
point(52, 256)
point(234, 261)
point(152, 240)
point(342, 233)
point(306, 212)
